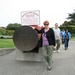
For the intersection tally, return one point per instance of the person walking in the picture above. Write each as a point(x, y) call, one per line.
point(62, 34)
point(67, 37)
point(47, 42)
point(57, 37)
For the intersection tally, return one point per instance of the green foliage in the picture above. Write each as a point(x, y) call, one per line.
point(6, 32)
point(70, 28)
point(73, 38)
point(73, 34)
point(2, 31)
point(71, 16)
point(13, 26)
point(9, 32)
point(69, 23)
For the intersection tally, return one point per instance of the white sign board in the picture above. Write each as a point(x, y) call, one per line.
point(30, 17)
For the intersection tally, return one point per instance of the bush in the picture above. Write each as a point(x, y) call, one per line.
point(9, 32)
point(70, 28)
point(13, 26)
point(6, 32)
point(2, 31)
point(73, 35)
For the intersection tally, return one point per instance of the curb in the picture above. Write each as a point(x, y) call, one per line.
point(4, 51)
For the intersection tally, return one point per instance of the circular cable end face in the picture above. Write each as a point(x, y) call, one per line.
point(25, 38)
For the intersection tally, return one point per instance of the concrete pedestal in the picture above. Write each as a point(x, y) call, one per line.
point(29, 56)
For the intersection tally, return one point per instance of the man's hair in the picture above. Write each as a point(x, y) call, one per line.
point(56, 23)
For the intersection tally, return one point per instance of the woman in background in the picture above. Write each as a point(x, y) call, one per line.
point(62, 34)
point(67, 37)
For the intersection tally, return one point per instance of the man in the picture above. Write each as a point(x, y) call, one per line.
point(62, 34)
point(57, 37)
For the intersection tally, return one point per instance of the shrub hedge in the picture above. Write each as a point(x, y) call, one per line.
point(6, 32)
point(9, 32)
point(70, 28)
point(2, 31)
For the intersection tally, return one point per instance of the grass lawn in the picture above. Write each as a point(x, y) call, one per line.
point(73, 38)
point(6, 43)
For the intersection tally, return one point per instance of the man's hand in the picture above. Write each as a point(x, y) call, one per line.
point(54, 47)
point(61, 37)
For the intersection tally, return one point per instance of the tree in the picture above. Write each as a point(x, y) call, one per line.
point(71, 16)
point(13, 26)
point(66, 23)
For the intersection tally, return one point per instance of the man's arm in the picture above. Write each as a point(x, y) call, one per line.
point(53, 39)
point(60, 34)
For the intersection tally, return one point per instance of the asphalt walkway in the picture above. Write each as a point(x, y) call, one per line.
point(63, 64)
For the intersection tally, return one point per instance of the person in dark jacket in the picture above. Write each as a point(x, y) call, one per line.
point(67, 37)
point(47, 42)
point(62, 34)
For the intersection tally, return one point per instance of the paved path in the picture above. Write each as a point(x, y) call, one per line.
point(64, 64)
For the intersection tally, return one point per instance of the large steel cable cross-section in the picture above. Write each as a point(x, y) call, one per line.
point(25, 38)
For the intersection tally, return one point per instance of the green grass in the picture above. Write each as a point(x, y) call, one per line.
point(6, 43)
point(73, 38)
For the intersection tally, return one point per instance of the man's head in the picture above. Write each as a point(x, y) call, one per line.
point(56, 25)
point(62, 29)
point(66, 30)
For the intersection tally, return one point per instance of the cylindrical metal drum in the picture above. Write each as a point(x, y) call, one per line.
point(25, 38)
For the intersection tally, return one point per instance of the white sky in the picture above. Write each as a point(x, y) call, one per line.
point(55, 11)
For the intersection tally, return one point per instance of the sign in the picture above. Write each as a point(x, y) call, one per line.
point(30, 17)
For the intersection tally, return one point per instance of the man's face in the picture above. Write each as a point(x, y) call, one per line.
point(56, 25)
point(66, 30)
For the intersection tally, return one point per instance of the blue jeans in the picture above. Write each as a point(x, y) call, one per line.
point(66, 43)
point(62, 40)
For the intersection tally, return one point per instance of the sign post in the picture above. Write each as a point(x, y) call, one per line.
point(30, 17)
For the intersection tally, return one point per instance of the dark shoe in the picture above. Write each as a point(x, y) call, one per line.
point(65, 48)
point(49, 68)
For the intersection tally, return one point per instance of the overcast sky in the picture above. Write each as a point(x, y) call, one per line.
point(55, 11)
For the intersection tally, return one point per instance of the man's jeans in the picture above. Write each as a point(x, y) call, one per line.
point(66, 43)
point(58, 44)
